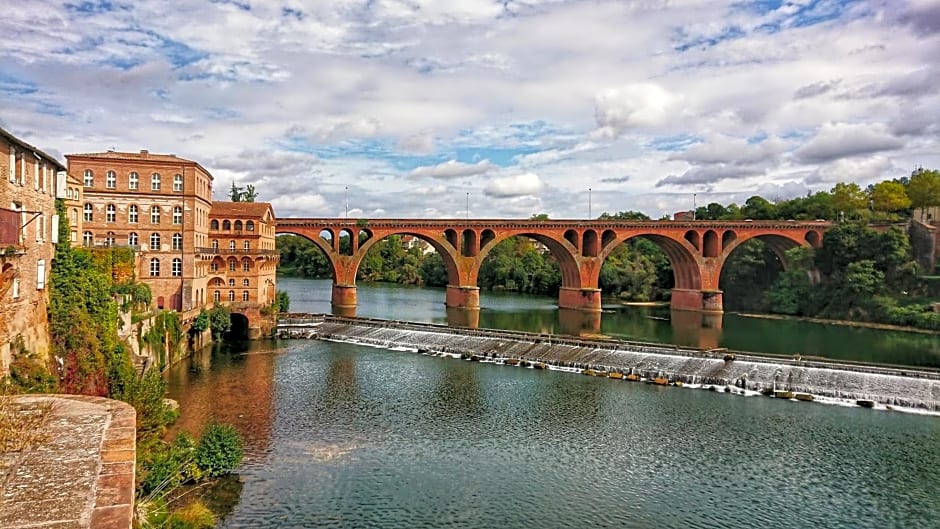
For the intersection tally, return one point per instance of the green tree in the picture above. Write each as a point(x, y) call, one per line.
point(849, 199)
point(624, 215)
point(249, 194)
point(235, 193)
point(758, 208)
point(924, 189)
point(889, 197)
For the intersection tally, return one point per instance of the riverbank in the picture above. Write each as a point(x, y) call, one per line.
point(844, 323)
point(911, 388)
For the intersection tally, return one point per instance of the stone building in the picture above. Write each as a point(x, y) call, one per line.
point(242, 260)
point(30, 181)
point(157, 204)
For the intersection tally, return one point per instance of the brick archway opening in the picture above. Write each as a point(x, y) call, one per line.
point(743, 288)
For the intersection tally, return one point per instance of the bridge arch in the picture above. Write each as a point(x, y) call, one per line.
point(444, 250)
point(561, 250)
point(680, 252)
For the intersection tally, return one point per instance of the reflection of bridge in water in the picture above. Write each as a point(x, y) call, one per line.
point(697, 251)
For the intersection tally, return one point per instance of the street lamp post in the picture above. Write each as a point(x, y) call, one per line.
point(468, 206)
point(589, 204)
point(693, 206)
point(347, 201)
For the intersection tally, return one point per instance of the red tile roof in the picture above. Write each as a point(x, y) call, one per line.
point(240, 209)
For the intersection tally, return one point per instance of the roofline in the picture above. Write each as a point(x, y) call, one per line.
point(131, 155)
point(29, 147)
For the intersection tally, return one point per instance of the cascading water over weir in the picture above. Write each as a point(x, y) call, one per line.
point(888, 386)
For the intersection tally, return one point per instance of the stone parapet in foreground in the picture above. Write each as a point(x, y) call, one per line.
point(80, 471)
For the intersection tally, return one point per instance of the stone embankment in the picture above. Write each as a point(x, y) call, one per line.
point(885, 385)
point(78, 471)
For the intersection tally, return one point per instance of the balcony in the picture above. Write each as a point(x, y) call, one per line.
point(226, 251)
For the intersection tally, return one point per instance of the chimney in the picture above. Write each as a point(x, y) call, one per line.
point(144, 151)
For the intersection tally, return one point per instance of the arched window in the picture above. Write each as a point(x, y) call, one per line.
point(110, 180)
point(231, 264)
point(155, 182)
point(133, 181)
point(132, 239)
point(231, 295)
point(68, 193)
point(132, 214)
point(177, 241)
point(231, 246)
point(110, 213)
point(74, 219)
point(226, 225)
point(250, 225)
point(87, 238)
point(155, 214)
point(231, 282)
point(238, 225)
point(246, 264)
point(178, 183)
point(214, 224)
point(216, 296)
point(219, 282)
point(177, 267)
point(89, 178)
point(154, 241)
point(88, 214)
point(109, 239)
point(177, 215)
point(245, 282)
point(215, 244)
point(245, 295)
point(154, 267)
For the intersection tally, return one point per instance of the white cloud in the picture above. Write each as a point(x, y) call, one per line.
point(838, 140)
point(452, 169)
point(514, 186)
point(635, 106)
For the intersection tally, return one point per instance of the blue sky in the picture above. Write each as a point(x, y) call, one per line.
point(523, 104)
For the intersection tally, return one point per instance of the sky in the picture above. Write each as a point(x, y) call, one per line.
point(492, 109)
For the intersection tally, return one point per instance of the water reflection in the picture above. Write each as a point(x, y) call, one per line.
point(459, 317)
point(578, 323)
point(696, 329)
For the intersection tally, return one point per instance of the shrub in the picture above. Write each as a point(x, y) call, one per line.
point(282, 301)
point(193, 516)
point(220, 320)
point(219, 451)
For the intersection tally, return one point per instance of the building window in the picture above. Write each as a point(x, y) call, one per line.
point(132, 238)
point(216, 296)
point(231, 295)
point(177, 267)
point(250, 226)
point(231, 246)
point(110, 180)
point(238, 225)
point(247, 245)
point(132, 214)
point(214, 225)
point(155, 182)
point(245, 295)
point(133, 181)
point(74, 217)
point(109, 239)
point(87, 238)
point(231, 264)
point(155, 214)
point(154, 267)
point(89, 179)
point(178, 182)
point(231, 282)
point(245, 282)
point(177, 215)
point(218, 282)
point(226, 225)
point(88, 212)
point(110, 213)
point(215, 245)
point(177, 241)
point(154, 241)
point(246, 264)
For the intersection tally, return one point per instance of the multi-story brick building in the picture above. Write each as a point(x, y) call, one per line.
point(156, 203)
point(161, 205)
point(30, 180)
point(241, 256)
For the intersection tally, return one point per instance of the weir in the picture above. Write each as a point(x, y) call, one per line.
point(885, 385)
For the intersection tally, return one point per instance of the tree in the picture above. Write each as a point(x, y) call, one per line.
point(539, 216)
point(624, 215)
point(924, 189)
point(889, 197)
point(235, 193)
point(848, 198)
point(758, 208)
point(249, 194)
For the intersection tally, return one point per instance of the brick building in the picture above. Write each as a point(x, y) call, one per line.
point(157, 204)
point(241, 257)
point(30, 180)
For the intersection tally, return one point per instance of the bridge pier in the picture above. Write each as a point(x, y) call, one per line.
point(461, 317)
point(586, 299)
point(344, 298)
point(463, 297)
point(698, 300)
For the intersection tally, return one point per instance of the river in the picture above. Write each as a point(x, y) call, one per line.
point(341, 435)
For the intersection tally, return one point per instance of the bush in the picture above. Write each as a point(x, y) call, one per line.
point(201, 322)
point(220, 450)
point(220, 320)
point(282, 301)
point(193, 516)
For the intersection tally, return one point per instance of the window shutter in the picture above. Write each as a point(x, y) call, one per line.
point(40, 274)
point(55, 229)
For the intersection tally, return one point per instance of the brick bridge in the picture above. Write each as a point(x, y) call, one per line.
point(696, 249)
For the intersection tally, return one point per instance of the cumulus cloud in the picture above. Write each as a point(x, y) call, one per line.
point(634, 106)
point(256, 164)
point(514, 186)
point(452, 169)
point(838, 140)
point(860, 170)
point(709, 174)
